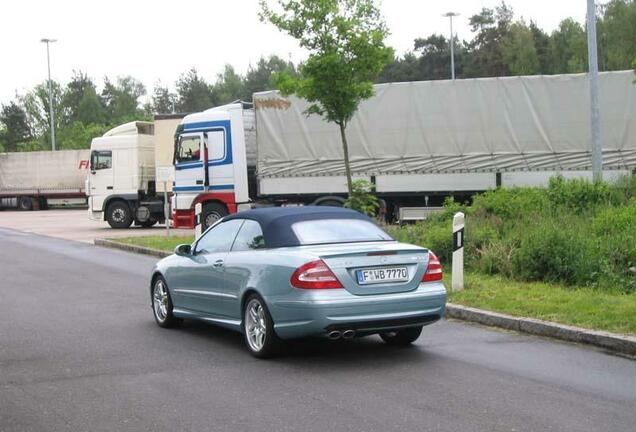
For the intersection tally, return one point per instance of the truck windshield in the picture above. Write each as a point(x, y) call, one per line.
point(189, 149)
point(101, 159)
point(324, 231)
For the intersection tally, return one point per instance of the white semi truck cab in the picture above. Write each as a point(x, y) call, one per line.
point(210, 163)
point(121, 185)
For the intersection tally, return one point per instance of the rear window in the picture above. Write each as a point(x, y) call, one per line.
point(338, 231)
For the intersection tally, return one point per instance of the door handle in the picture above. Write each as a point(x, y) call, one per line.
point(218, 263)
point(109, 187)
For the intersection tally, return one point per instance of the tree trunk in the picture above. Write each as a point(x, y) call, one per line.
point(345, 151)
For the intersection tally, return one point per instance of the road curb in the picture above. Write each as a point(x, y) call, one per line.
point(131, 248)
point(609, 341)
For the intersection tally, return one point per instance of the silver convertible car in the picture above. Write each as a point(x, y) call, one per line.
point(289, 272)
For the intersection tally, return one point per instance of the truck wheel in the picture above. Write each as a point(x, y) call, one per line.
point(119, 215)
point(25, 203)
point(212, 212)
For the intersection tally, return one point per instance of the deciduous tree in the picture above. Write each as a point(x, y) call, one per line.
point(121, 99)
point(16, 127)
point(518, 50)
point(568, 48)
point(346, 44)
point(163, 100)
point(193, 93)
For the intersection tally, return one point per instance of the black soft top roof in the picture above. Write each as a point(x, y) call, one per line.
point(276, 222)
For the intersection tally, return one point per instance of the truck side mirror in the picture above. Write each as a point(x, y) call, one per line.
point(183, 250)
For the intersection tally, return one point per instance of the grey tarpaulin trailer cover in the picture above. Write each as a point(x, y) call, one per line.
point(412, 133)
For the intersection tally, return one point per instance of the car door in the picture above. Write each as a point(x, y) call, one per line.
point(100, 179)
point(199, 284)
point(241, 265)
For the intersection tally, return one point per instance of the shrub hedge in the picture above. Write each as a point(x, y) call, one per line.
point(574, 232)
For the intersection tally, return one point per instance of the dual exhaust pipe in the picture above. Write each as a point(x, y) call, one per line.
point(345, 334)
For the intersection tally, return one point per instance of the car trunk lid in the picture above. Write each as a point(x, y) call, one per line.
point(375, 268)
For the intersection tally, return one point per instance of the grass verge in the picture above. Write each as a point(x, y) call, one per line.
point(162, 243)
point(582, 307)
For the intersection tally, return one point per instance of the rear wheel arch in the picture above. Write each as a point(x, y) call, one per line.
point(156, 275)
point(130, 200)
point(248, 292)
point(212, 211)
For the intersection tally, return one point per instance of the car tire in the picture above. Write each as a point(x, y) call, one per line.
point(212, 212)
point(119, 215)
point(162, 304)
point(258, 329)
point(402, 337)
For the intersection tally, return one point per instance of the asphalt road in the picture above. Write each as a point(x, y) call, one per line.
point(79, 351)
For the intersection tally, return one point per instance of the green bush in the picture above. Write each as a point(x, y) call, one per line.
point(573, 232)
point(495, 258)
point(578, 194)
point(616, 229)
point(434, 236)
point(624, 189)
point(510, 203)
point(362, 198)
point(554, 251)
point(615, 220)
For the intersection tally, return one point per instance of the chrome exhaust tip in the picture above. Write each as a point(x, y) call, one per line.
point(348, 334)
point(333, 335)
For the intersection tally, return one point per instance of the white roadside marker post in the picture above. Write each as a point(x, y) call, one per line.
point(166, 208)
point(457, 283)
point(198, 227)
point(165, 175)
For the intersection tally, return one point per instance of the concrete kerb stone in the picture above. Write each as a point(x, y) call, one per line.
point(609, 341)
point(131, 248)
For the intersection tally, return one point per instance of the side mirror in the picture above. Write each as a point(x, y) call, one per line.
point(183, 250)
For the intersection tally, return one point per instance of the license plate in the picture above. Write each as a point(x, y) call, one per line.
point(382, 275)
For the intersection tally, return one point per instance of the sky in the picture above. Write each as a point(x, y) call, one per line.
point(158, 40)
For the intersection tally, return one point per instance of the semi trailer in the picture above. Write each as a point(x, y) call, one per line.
point(36, 180)
point(417, 142)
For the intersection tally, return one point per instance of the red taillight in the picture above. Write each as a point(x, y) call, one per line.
point(434, 269)
point(314, 275)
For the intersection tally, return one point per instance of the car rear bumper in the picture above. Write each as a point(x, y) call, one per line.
point(318, 312)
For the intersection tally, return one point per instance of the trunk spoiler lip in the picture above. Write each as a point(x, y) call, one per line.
point(379, 253)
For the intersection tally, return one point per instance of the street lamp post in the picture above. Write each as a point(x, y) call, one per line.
point(595, 120)
point(452, 41)
point(51, 113)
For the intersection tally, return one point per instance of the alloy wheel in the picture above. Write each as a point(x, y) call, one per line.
point(160, 301)
point(255, 325)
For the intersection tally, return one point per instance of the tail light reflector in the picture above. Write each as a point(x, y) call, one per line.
point(434, 269)
point(314, 275)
